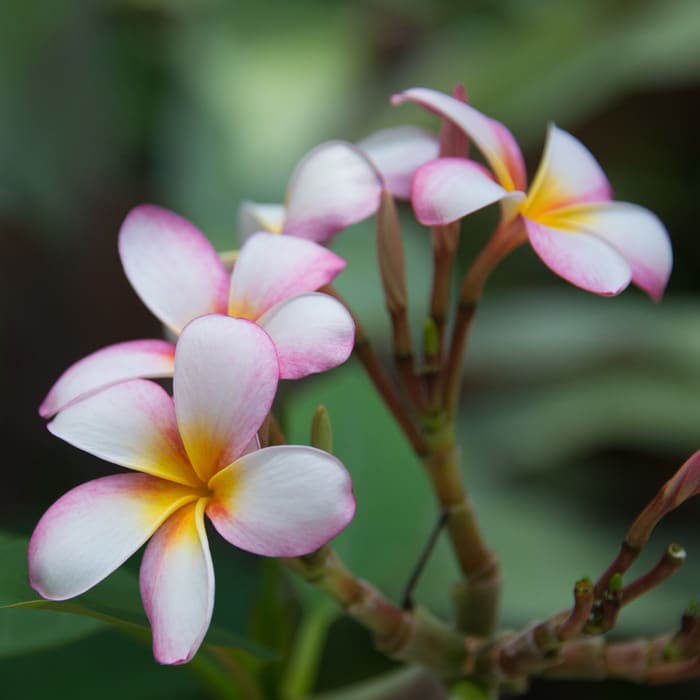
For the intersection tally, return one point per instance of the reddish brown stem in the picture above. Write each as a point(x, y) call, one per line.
point(622, 562)
point(508, 236)
point(386, 388)
point(670, 562)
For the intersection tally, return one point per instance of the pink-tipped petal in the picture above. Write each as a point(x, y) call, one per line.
point(580, 258)
point(311, 332)
point(568, 174)
point(95, 527)
point(177, 585)
point(282, 501)
point(397, 152)
point(635, 232)
point(254, 217)
point(172, 266)
point(273, 268)
point(131, 424)
point(111, 365)
point(447, 189)
point(334, 186)
point(492, 138)
point(226, 374)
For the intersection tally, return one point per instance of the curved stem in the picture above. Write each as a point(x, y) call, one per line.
point(478, 595)
point(508, 236)
point(445, 240)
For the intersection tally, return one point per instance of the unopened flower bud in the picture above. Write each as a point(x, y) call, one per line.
point(431, 338)
point(321, 432)
point(390, 253)
point(453, 140)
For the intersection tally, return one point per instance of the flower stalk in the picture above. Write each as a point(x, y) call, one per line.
point(508, 235)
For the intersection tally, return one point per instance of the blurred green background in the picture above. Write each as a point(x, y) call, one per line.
point(576, 408)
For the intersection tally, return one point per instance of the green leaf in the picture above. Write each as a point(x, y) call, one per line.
point(21, 633)
point(395, 685)
point(303, 664)
point(115, 601)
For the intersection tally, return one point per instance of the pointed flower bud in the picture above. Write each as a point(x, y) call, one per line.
point(321, 431)
point(683, 485)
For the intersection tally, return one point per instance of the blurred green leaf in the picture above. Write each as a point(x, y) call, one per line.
point(531, 62)
point(21, 633)
point(403, 684)
point(303, 663)
point(114, 601)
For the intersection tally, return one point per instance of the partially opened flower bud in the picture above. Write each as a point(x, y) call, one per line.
point(683, 485)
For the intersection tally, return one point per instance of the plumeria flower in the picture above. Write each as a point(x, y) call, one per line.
point(338, 184)
point(179, 276)
point(191, 455)
point(567, 213)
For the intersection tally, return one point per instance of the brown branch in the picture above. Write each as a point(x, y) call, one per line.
point(415, 636)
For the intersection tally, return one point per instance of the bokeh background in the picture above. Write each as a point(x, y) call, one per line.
point(576, 408)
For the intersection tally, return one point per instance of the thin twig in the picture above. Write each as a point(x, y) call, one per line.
point(407, 597)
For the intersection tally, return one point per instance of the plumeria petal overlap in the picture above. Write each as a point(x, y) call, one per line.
point(333, 186)
point(179, 276)
point(338, 184)
point(190, 457)
point(567, 213)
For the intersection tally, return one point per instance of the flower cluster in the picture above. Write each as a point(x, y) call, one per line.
point(197, 452)
point(238, 332)
point(567, 213)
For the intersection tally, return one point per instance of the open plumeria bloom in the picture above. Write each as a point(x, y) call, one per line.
point(196, 454)
point(179, 276)
point(567, 213)
point(338, 184)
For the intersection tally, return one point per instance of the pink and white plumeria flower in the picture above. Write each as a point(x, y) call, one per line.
point(179, 276)
point(338, 184)
point(194, 457)
point(567, 213)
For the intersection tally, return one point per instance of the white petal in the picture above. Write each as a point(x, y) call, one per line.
point(580, 258)
point(397, 152)
point(311, 332)
point(177, 585)
point(131, 424)
point(273, 268)
point(447, 189)
point(491, 137)
point(226, 373)
point(334, 186)
point(568, 174)
point(282, 501)
point(172, 266)
point(94, 528)
point(635, 232)
point(113, 364)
